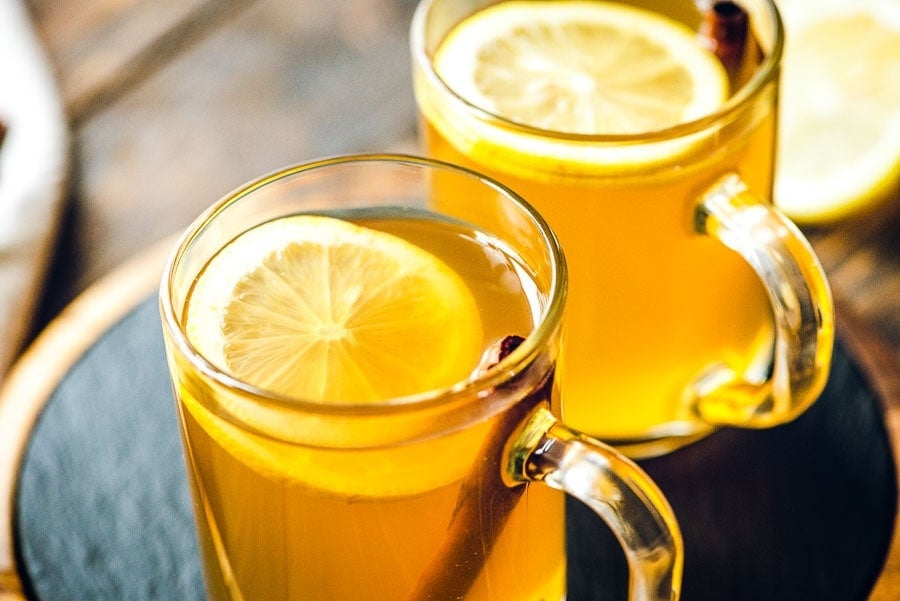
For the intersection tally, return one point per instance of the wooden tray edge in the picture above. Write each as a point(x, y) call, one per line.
point(34, 376)
point(879, 365)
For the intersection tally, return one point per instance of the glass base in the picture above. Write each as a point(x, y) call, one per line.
point(661, 440)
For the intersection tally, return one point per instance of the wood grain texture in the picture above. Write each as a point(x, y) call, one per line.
point(863, 264)
point(105, 47)
point(277, 83)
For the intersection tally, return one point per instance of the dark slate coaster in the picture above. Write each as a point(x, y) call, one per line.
point(803, 511)
point(103, 510)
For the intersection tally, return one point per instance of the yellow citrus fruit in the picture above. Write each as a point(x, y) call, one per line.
point(839, 139)
point(560, 70)
point(581, 67)
point(321, 309)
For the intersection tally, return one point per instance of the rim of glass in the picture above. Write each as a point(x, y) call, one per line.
point(765, 73)
point(500, 372)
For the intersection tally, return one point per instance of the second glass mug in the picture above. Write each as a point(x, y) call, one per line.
point(430, 496)
point(693, 302)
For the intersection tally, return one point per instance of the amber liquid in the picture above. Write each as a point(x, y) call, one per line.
point(652, 305)
point(286, 521)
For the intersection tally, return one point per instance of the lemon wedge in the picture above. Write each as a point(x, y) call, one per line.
point(321, 309)
point(839, 139)
point(581, 67)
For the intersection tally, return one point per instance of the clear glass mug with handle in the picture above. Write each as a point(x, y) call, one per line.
point(440, 483)
point(694, 303)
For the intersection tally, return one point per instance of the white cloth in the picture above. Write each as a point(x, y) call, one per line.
point(33, 171)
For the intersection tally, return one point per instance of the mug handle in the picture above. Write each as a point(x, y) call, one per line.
point(801, 304)
point(545, 450)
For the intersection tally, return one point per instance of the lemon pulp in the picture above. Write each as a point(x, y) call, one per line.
point(582, 67)
point(563, 68)
point(321, 309)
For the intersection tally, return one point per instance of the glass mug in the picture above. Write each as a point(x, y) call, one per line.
point(441, 494)
point(693, 302)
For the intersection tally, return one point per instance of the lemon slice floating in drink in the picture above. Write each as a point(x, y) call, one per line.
point(580, 68)
point(839, 139)
point(320, 309)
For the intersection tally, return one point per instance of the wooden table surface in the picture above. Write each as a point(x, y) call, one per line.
point(173, 103)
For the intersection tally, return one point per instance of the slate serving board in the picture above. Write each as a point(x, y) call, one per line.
point(803, 511)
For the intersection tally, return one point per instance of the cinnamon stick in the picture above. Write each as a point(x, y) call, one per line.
point(483, 506)
point(726, 31)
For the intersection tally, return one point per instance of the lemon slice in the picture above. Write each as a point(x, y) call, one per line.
point(565, 69)
point(839, 139)
point(324, 310)
point(582, 67)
